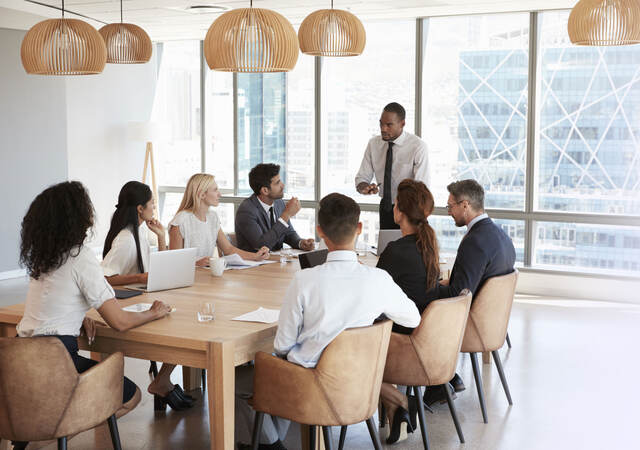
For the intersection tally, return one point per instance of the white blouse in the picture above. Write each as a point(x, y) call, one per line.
point(58, 301)
point(196, 233)
point(122, 259)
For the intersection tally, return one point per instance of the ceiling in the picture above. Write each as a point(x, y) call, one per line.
point(172, 19)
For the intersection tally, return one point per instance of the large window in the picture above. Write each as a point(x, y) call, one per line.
point(219, 128)
point(354, 91)
point(475, 75)
point(176, 111)
point(550, 130)
point(589, 126)
point(275, 124)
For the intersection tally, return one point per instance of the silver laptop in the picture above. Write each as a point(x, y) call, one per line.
point(169, 269)
point(386, 236)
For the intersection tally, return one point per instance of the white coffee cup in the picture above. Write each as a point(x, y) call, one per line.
point(217, 266)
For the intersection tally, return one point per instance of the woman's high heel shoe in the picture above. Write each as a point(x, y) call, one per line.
point(399, 417)
point(172, 399)
point(183, 394)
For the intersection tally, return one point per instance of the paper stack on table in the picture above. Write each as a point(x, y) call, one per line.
point(261, 315)
point(235, 261)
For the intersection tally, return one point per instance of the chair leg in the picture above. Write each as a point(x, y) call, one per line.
point(343, 436)
point(375, 438)
point(382, 415)
point(113, 430)
point(417, 390)
point(257, 427)
point(312, 436)
point(328, 438)
point(478, 378)
point(454, 415)
point(62, 443)
point(204, 380)
point(508, 341)
point(153, 369)
point(496, 358)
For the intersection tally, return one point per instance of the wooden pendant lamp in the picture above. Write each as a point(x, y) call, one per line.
point(605, 22)
point(126, 43)
point(332, 32)
point(63, 47)
point(251, 40)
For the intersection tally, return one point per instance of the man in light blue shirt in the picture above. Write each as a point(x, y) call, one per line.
point(325, 300)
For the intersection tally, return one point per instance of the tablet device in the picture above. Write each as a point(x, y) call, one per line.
point(312, 259)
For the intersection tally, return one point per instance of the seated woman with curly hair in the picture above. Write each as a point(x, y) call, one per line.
point(67, 280)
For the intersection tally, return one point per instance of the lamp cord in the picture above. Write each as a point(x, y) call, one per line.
point(331, 4)
point(63, 9)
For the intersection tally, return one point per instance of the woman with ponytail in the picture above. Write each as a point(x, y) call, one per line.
point(413, 263)
point(126, 260)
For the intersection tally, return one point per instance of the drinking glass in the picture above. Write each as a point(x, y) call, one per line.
point(205, 314)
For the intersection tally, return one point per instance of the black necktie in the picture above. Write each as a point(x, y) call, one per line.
point(273, 219)
point(386, 184)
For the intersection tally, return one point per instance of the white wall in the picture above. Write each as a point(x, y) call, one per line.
point(66, 128)
point(99, 108)
point(33, 129)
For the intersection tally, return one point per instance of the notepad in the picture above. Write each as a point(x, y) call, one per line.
point(262, 315)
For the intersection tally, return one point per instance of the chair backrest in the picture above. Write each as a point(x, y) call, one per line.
point(489, 314)
point(350, 370)
point(41, 392)
point(429, 355)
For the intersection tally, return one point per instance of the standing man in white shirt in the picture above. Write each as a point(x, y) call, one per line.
point(392, 157)
point(325, 300)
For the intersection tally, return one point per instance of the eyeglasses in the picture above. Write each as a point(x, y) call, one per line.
point(451, 206)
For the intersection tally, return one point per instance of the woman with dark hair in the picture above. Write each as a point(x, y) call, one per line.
point(126, 248)
point(66, 278)
point(126, 260)
point(413, 263)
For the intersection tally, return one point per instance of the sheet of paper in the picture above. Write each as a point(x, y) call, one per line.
point(138, 307)
point(235, 261)
point(141, 307)
point(261, 315)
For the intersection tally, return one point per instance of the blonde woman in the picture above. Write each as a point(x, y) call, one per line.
point(196, 225)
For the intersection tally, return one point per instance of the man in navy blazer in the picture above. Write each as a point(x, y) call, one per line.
point(485, 251)
point(264, 219)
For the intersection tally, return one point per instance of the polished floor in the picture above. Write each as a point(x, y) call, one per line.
point(572, 373)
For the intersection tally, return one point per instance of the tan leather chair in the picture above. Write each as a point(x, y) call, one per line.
point(487, 327)
point(342, 389)
point(43, 397)
point(429, 355)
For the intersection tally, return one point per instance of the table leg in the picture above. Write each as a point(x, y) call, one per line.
point(191, 378)
point(486, 357)
point(304, 437)
point(221, 380)
point(7, 330)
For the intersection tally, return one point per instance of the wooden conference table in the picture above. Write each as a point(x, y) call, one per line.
point(218, 346)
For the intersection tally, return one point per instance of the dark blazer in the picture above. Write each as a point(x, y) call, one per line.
point(403, 261)
point(253, 227)
point(485, 251)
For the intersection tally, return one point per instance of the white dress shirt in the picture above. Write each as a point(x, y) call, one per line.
point(196, 233)
point(477, 219)
point(323, 301)
point(58, 301)
point(122, 259)
point(267, 208)
point(410, 160)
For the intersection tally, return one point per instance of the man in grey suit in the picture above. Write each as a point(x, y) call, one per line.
point(263, 219)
